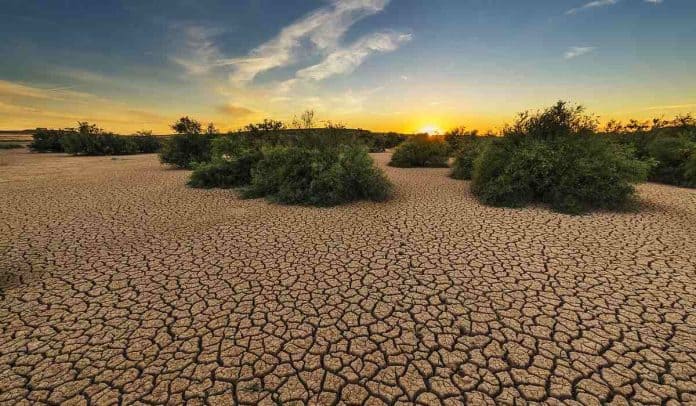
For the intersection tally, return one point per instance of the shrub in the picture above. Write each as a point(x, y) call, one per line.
point(146, 142)
point(10, 145)
point(671, 155)
point(88, 139)
point(185, 150)
point(669, 144)
point(690, 171)
point(421, 151)
point(591, 173)
point(227, 172)
point(465, 155)
point(381, 142)
point(507, 173)
point(553, 158)
point(459, 138)
point(316, 176)
point(45, 140)
point(231, 145)
point(80, 143)
point(190, 146)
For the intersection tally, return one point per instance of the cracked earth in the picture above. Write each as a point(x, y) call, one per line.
point(121, 285)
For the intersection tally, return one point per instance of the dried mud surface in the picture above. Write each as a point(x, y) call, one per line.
point(121, 285)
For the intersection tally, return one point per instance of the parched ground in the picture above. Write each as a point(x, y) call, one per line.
point(121, 285)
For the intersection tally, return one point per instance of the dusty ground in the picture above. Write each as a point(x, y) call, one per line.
point(122, 285)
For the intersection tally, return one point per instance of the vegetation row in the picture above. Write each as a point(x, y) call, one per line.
point(557, 156)
point(309, 167)
point(88, 139)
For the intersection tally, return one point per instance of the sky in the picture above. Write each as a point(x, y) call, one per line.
point(383, 65)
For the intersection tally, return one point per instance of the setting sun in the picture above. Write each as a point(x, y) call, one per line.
point(430, 129)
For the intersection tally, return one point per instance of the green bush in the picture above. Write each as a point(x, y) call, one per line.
point(10, 145)
point(669, 144)
point(317, 176)
point(190, 147)
point(147, 143)
point(690, 171)
point(231, 145)
point(88, 139)
point(225, 173)
point(553, 158)
point(421, 151)
point(465, 155)
point(79, 143)
point(185, 150)
point(671, 155)
point(45, 140)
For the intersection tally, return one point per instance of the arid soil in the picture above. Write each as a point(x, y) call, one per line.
point(121, 285)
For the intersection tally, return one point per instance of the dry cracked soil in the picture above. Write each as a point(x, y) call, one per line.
point(121, 285)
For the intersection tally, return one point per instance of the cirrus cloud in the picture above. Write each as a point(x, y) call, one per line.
point(574, 52)
point(345, 60)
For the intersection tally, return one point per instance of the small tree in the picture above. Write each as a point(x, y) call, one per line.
point(186, 125)
point(191, 146)
point(305, 121)
point(85, 128)
point(211, 130)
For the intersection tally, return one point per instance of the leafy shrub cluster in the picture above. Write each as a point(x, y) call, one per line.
point(10, 145)
point(45, 140)
point(184, 151)
point(669, 145)
point(421, 151)
point(305, 171)
point(226, 172)
point(317, 176)
point(468, 150)
point(554, 157)
point(190, 146)
point(88, 139)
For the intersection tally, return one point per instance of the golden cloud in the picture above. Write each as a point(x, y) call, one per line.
point(237, 111)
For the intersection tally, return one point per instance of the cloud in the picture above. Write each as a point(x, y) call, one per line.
point(672, 107)
point(202, 54)
point(592, 4)
point(237, 111)
point(345, 60)
point(320, 31)
point(322, 28)
point(603, 3)
point(18, 90)
point(574, 52)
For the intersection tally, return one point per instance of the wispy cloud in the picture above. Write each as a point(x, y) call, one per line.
point(236, 111)
point(319, 32)
point(345, 60)
point(673, 107)
point(322, 28)
point(603, 3)
point(592, 4)
point(574, 52)
point(201, 54)
point(19, 90)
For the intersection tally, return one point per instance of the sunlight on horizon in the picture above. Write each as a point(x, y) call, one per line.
point(430, 129)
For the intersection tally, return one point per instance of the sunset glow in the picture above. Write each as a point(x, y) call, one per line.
point(375, 64)
point(430, 129)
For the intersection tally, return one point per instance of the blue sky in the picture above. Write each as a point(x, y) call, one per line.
point(378, 64)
